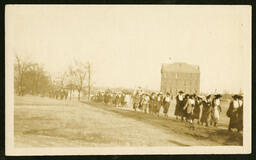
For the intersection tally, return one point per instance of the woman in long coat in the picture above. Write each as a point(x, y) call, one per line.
point(179, 105)
point(166, 104)
point(151, 103)
point(136, 101)
point(206, 111)
point(196, 112)
point(158, 104)
point(232, 113)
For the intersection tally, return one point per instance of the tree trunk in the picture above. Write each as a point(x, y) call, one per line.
point(79, 94)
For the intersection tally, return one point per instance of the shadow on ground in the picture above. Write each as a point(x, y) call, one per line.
point(173, 126)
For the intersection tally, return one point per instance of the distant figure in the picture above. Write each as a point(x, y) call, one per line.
point(136, 101)
point(66, 94)
point(196, 113)
point(145, 103)
point(127, 100)
point(106, 98)
point(123, 100)
point(184, 111)
point(178, 107)
point(166, 104)
point(118, 100)
point(151, 103)
point(159, 103)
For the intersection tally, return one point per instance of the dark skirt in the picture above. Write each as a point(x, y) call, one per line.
point(166, 107)
point(196, 112)
point(178, 110)
point(205, 116)
point(240, 119)
point(189, 116)
point(157, 107)
point(233, 123)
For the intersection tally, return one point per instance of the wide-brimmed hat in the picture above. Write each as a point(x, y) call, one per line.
point(240, 97)
point(235, 96)
point(191, 96)
point(208, 97)
point(181, 92)
point(217, 96)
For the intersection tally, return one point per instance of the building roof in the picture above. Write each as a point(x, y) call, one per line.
point(180, 67)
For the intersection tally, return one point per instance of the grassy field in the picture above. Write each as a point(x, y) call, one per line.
point(44, 122)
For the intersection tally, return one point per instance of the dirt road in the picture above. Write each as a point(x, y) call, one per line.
point(43, 122)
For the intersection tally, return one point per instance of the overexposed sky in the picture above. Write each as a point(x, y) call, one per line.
point(127, 44)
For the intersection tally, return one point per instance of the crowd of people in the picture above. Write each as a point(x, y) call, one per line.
point(190, 108)
point(206, 110)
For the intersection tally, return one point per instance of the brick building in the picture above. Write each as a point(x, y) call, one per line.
point(180, 76)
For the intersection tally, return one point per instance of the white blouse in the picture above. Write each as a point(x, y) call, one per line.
point(235, 104)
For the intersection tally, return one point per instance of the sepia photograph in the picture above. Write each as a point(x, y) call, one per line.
point(128, 79)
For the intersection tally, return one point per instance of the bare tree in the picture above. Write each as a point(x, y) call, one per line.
point(78, 73)
point(20, 67)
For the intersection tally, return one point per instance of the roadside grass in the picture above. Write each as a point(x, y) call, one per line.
point(71, 123)
point(218, 134)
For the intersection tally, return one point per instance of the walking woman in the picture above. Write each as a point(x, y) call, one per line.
point(151, 103)
point(196, 113)
point(145, 103)
point(159, 104)
point(206, 111)
point(178, 107)
point(232, 113)
point(189, 108)
point(216, 109)
point(166, 104)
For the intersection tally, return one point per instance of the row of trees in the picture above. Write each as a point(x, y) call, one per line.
point(31, 78)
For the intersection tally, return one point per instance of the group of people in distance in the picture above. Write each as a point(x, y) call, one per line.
point(191, 108)
point(118, 99)
point(152, 103)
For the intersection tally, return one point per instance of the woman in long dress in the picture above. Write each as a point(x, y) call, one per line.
point(158, 104)
point(166, 104)
point(232, 113)
point(196, 113)
point(216, 109)
point(151, 103)
point(189, 109)
point(178, 108)
point(206, 110)
point(145, 103)
point(136, 101)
